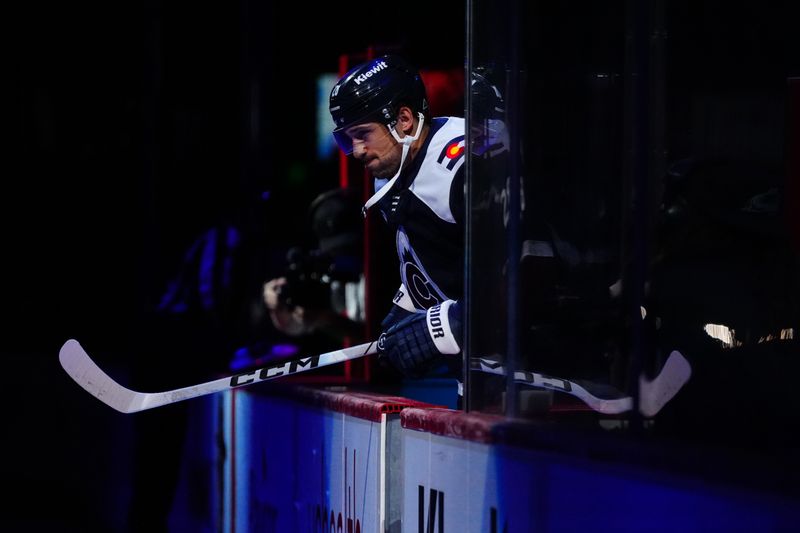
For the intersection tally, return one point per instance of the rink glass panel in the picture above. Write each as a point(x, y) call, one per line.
point(644, 204)
point(551, 200)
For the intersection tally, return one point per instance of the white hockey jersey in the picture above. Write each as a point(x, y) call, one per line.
point(425, 207)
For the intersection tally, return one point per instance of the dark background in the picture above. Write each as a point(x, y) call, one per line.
point(138, 125)
point(135, 126)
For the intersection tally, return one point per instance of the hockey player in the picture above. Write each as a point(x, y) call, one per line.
point(382, 118)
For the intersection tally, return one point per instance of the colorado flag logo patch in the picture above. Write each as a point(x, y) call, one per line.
point(452, 153)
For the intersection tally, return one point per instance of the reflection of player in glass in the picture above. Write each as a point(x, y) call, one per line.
point(381, 113)
point(488, 127)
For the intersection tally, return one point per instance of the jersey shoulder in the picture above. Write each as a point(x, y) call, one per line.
point(447, 144)
point(443, 161)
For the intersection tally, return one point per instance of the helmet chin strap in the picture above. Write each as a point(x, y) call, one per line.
point(406, 141)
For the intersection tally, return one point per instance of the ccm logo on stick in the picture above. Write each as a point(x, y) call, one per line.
point(290, 367)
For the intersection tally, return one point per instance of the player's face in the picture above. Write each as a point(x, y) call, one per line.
point(375, 147)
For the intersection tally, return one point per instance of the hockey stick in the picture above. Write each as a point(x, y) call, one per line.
point(91, 377)
point(77, 363)
point(653, 395)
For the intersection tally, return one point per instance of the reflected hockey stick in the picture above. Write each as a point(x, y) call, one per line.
point(77, 363)
point(653, 395)
point(91, 377)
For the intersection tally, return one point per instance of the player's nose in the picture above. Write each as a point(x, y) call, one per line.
point(359, 151)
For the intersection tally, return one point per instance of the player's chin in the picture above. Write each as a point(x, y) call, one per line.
point(374, 166)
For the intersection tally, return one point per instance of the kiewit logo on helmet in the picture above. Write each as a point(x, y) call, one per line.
point(364, 76)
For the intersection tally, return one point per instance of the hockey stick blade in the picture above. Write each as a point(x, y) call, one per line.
point(653, 395)
point(80, 367)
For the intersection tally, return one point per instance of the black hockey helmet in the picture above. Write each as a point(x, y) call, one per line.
point(373, 92)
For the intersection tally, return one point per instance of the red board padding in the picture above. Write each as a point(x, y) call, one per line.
point(476, 427)
point(366, 405)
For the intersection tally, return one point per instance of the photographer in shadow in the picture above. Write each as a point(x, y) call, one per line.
point(322, 290)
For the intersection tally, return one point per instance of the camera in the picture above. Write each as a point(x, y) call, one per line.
point(327, 277)
point(308, 279)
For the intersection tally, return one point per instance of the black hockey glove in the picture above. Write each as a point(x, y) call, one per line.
point(414, 344)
